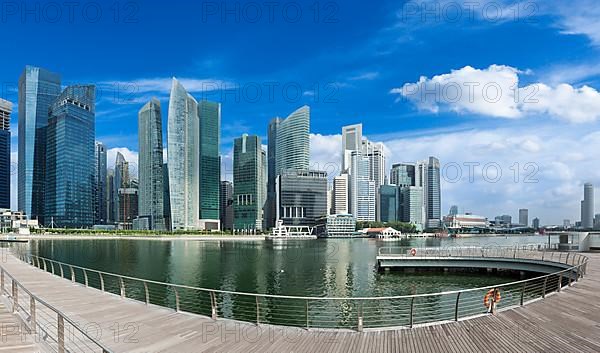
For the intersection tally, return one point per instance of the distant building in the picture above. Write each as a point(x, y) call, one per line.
point(209, 115)
point(340, 195)
point(351, 141)
point(128, 207)
point(70, 159)
point(362, 189)
point(166, 197)
point(523, 217)
point(120, 180)
point(433, 206)
point(270, 212)
point(587, 206)
point(597, 221)
point(403, 174)
point(111, 195)
point(535, 223)
point(38, 90)
point(5, 165)
point(248, 179)
point(337, 226)
point(100, 209)
point(504, 220)
point(412, 209)
point(301, 197)
point(226, 205)
point(389, 202)
point(566, 223)
point(465, 221)
point(453, 210)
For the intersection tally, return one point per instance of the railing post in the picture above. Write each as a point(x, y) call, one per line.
point(33, 317)
point(412, 311)
point(15, 295)
point(176, 299)
point(101, 282)
point(61, 334)
point(257, 311)
point(560, 282)
point(85, 276)
point(523, 293)
point(577, 275)
point(122, 286)
point(147, 293)
point(52, 265)
point(360, 324)
point(307, 327)
point(213, 306)
point(544, 287)
point(72, 273)
point(456, 307)
point(45, 265)
point(570, 278)
point(567, 259)
point(62, 273)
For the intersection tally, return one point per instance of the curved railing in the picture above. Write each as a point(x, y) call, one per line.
point(48, 325)
point(356, 313)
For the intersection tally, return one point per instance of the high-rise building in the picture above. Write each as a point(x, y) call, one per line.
point(376, 154)
point(403, 174)
point(505, 220)
point(100, 210)
point(587, 206)
point(351, 141)
point(128, 206)
point(301, 197)
point(183, 158)
point(166, 197)
point(38, 89)
point(293, 141)
point(150, 165)
point(362, 188)
point(535, 223)
point(412, 208)
point(209, 115)
point(523, 217)
point(433, 204)
point(5, 111)
point(70, 158)
point(453, 210)
point(226, 202)
point(111, 194)
point(340, 195)
point(248, 177)
point(389, 202)
point(270, 207)
point(121, 180)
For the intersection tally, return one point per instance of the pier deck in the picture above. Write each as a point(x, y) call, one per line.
point(565, 322)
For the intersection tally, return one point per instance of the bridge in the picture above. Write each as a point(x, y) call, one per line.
point(63, 308)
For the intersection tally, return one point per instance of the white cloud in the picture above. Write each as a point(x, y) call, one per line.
point(367, 76)
point(130, 156)
point(495, 92)
point(326, 153)
point(576, 17)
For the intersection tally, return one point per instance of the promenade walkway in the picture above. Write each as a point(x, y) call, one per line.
point(14, 336)
point(565, 322)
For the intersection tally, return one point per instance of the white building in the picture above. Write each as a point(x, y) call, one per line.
point(465, 221)
point(362, 189)
point(340, 195)
point(351, 141)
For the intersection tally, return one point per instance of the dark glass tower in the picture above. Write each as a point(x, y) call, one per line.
point(38, 89)
point(5, 110)
point(248, 181)
point(100, 211)
point(70, 159)
point(209, 115)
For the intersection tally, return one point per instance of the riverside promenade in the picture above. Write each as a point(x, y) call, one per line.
point(568, 321)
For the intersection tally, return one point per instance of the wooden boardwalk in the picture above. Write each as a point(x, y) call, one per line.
point(14, 336)
point(565, 322)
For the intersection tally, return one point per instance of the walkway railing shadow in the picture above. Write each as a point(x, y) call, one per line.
point(355, 313)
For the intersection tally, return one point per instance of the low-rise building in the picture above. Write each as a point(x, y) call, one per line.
point(465, 221)
point(337, 226)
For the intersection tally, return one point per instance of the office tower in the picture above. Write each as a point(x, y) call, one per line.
point(293, 141)
point(453, 210)
point(100, 210)
point(209, 116)
point(111, 193)
point(150, 165)
point(270, 207)
point(166, 197)
point(263, 187)
point(566, 223)
point(5, 110)
point(183, 159)
point(120, 180)
point(376, 155)
point(433, 193)
point(389, 202)
point(535, 223)
point(70, 158)
point(301, 197)
point(247, 180)
point(38, 89)
point(523, 217)
point(226, 205)
point(340, 195)
point(362, 188)
point(412, 208)
point(403, 174)
point(504, 220)
point(587, 206)
point(351, 141)
point(128, 204)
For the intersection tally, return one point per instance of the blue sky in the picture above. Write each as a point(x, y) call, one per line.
point(351, 62)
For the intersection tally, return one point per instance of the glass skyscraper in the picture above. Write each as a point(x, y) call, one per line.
point(209, 115)
point(5, 111)
point(100, 209)
point(293, 141)
point(301, 197)
point(38, 89)
point(433, 193)
point(362, 188)
point(150, 165)
point(248, 183)
point(270, 208)
point(70, 158)
point(183, 159)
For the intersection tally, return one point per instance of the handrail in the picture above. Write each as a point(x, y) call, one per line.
point(573, 273)
point(61, 317)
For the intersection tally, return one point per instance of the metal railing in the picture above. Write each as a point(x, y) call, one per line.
point(48, 325)
point(356, 313)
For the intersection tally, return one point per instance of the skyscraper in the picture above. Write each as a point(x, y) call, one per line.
point(293, 141)
point(403, 174)
point(100, 210)
point(226, 201)
point(38, 89)
point(209, 115)
point(376, 155)
point(301, 197)
point(248, 178)
point(362, 188)
point(524, 217)
point(270, 207)
point(535, 224)
point(433, 194)
point(70, 158)
point(111, 194)
point(183, 159)
point(121, 180)
point(340, 195)
point(587, 206)
point(166, 197)
point(150, 166)
point(389, 200)
point(351, 141)
point(5, 110)
point(412, 205)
